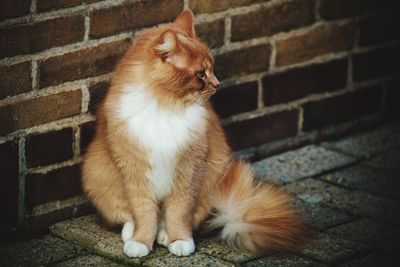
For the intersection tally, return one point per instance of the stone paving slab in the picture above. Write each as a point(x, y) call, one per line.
point(222, 251)
point(373, 260)
point(301, 163)
point(354, 202)
point(367, 179)
point(88, 261)
point(319, 217)
point(43, 251)
point(388, 162)
point(370, 233)
point(368, 144)
point(196, 259)
point(329, 249)
point(88, 232)
point(291, 261)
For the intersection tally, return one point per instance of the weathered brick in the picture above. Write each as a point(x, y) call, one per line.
point(44, 5)
point(132, 16)
point(392, 99)
point(81, 64)
point(55, 185)
point(88, 130)
point(15, 79)
point(342, 108)
point(251, 60)
point(47, 148)
point(300, 82)
point(35, 37)
point(263, 129)
point(9, 165)
point(319, 41)
point(376, 63)
point(334, 9)
point(39, 110)
point(379, 28)
point(97, 92)
point(212, 32)
point(236, 99)
point(283, 17)
point(205, 6)
point(14, 8)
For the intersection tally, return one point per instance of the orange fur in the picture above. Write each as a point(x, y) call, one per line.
point(177, 71)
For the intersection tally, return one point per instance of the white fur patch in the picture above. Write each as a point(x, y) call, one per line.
point(161, 131)
point(127, 231)
point(182, 247)
point(134, 248)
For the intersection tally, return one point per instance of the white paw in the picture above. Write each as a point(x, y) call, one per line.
point(181, 247)
point(163, 238)
point(134, 248)
point(127, 231)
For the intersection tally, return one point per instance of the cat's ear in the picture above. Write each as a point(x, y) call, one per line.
point(186, 21)
point(167, 43)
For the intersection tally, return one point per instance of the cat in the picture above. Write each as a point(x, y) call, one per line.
point(159, 163)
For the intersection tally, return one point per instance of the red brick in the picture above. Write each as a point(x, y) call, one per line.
point(45, 5)
point(97, 92)
point(236, 99)
point(257, 131)
point(14, 8)
point(133, 16)
point(39, 225)
point(377, 63)
point(277, 18)
point(206, 6)
point(380, 28)
point(301, 82)
point(88, 130)
point(342, 108)
point(9, 166)
point(39, 110)
point(35, 37)
point(334, 9)
point(81, 64)
point(212, 32)
point(55, 185)
point(48, 148)
point(320, 41)
point(252, 59)
point(15, 79)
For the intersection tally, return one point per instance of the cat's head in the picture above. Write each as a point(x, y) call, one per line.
point(180, 66)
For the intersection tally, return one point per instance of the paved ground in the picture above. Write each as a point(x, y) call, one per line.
point(347, 189)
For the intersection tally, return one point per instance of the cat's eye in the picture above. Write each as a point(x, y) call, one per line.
point(201, 74)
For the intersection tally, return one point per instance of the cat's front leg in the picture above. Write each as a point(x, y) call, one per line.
point(145, 212)
point(178, 221)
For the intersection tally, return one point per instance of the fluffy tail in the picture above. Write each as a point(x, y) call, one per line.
point(255, 217)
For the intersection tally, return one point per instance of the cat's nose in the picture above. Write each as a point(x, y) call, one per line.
point(215, 85)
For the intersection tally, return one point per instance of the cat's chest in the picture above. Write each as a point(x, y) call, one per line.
point(162, 133)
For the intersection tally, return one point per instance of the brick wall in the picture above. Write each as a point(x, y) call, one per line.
point(293, 72)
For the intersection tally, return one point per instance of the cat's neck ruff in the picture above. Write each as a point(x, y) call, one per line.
point(161, 131)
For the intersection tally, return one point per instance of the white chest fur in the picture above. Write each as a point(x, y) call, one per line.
point(161, 132)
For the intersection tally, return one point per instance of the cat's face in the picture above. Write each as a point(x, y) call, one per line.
point(184, 65)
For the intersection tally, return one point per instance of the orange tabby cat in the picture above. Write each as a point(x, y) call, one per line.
point(159, 163)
